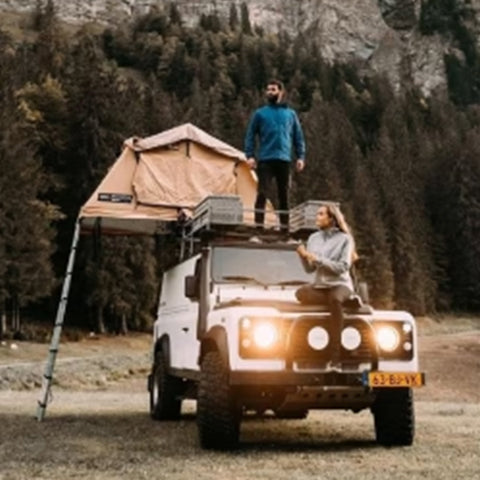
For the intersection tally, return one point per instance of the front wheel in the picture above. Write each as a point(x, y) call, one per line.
point(394, 417)
point(218, 418)
point(165, 390)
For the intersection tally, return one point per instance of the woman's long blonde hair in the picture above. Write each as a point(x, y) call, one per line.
point(334, 212)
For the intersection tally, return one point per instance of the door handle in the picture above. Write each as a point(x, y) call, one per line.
point(185, 329)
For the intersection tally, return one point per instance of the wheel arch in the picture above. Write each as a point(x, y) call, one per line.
point(215, 339)
point(162, 345)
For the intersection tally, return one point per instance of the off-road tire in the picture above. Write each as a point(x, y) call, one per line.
point(218, 418)
point(394, 417)
point(291, 414)
point(165, 402)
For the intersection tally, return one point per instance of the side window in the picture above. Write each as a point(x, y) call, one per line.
point(192, 282)
point(198, 268)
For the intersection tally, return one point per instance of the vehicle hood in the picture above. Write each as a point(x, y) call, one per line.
point(226, 293)
point(280, 298)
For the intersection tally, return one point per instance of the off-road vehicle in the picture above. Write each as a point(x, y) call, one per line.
point(231, 334)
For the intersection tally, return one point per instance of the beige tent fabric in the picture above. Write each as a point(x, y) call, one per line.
point(171, 178)
point(185, 132)
point(154, 177)
point(118, 181)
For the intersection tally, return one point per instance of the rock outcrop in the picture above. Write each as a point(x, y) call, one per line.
point(381, 35)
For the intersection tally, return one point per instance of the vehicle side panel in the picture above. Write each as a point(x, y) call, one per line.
point(177, 315)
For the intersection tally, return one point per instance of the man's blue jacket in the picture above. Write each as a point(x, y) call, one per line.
point(278, 129)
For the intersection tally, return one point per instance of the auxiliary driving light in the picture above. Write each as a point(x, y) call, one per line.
point(265, 335)
point(407, 328)
point(388, 338)
point(351, 338)
point(318, 338)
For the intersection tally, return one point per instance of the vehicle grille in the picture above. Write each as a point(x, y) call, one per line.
point(301, 352)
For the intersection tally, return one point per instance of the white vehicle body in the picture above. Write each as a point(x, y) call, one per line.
point(239, 300)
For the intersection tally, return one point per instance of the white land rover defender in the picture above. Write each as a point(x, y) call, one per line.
point(231, 334)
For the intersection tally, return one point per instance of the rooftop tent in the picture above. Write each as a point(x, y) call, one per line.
point(156, 176)
point(151, 181)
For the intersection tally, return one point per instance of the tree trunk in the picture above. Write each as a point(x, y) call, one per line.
point(3, 322)
point(100, 320)
point(15, 315)
point(11, 313)
point(123, 325)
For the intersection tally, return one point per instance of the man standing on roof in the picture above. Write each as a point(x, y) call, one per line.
point(278, 130)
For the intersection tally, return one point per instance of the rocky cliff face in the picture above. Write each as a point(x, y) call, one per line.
point(381, 35)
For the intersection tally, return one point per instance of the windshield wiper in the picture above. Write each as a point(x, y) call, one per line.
point(243, 278)
point(292, 282)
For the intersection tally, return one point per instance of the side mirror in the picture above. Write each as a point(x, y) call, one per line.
point(191, 287)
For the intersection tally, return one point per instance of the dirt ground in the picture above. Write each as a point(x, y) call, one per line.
point(98, 427)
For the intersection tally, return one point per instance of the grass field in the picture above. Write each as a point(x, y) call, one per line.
point(101, 429)
point(109, 435)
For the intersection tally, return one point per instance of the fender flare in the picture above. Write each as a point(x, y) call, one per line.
point(215, 339)
point(163, 345)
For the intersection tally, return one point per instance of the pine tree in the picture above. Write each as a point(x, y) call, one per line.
point(50, 45)
point(174, 15)
point(97, 100)
point(394, 166)
point(460, 204)
point(97, 121)
point(122, 284)
point(44, 107)
point(233, 20)
point(321, 179)
point(371, 239)
point(25, 221)
point(245, 19)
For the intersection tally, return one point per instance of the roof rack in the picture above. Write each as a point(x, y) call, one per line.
point(303, 217)
point(217, 210)
point(223, 217)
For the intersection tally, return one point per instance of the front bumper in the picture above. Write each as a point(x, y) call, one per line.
point(324, 379)
point(289, 378)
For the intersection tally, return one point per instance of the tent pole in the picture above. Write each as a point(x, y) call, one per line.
point(57, 329)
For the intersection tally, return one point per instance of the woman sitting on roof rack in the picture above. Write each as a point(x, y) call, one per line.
point(330, 253)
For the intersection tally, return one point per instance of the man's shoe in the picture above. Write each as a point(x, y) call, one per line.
point(292, 241)
point(254, 239)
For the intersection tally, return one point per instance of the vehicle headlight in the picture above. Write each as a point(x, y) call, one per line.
point(388, 338)
point(265, 335)
point(262, 337)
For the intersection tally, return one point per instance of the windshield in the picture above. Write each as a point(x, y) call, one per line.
point(258, 266)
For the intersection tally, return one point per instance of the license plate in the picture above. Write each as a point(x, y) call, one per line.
point(394, 379)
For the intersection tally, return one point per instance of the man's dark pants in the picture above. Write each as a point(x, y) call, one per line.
point(334, 298)
point(266, 172)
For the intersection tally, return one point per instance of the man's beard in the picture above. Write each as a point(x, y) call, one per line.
point(272, 99)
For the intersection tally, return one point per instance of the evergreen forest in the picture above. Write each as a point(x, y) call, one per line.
point(405, 168)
